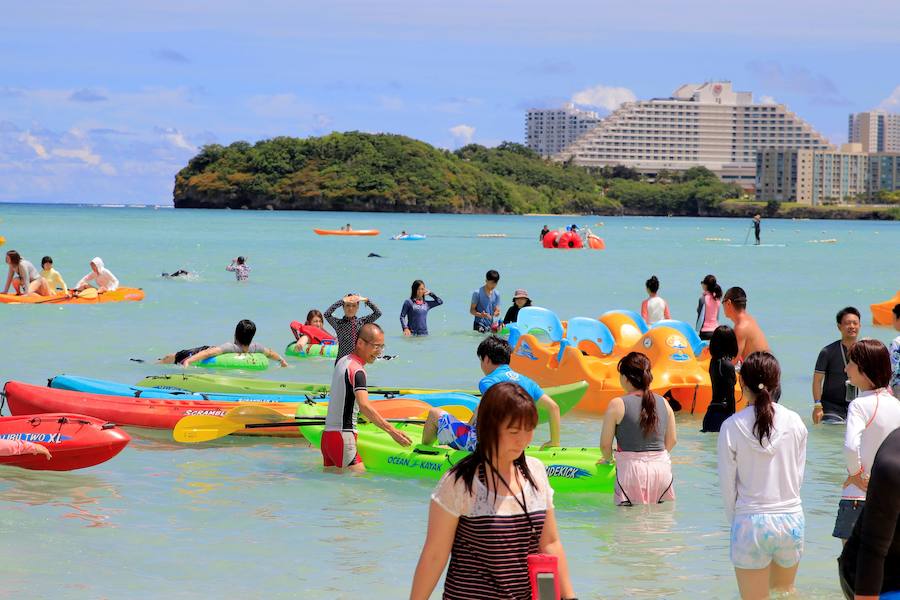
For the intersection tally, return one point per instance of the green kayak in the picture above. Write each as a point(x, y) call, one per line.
point(566, 396)
point(570, 470)
point(246, 385)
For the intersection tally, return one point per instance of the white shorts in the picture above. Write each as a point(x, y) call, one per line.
point(757, 540)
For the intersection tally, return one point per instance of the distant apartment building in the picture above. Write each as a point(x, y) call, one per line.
point(707, 124)
point(877, 131)
point(548, 131)
point(823, 177)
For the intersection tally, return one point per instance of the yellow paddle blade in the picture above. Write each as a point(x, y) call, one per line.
point(247, 414)
point(460, 412)
point(194, 429)
point(88, 293)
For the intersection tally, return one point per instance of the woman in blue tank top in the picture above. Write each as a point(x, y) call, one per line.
point(643, 426)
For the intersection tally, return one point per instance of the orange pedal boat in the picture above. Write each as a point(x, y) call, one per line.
point(882, 312)
point(590, 349)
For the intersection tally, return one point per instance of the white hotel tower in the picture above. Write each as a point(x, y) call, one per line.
point(706, 124)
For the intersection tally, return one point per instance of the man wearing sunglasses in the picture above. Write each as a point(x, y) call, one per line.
point(349, 397)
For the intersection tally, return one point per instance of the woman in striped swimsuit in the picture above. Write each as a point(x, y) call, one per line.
point(347, 327)
point(491, 510)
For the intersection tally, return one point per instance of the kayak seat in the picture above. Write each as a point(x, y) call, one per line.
point(697, 345)
point(586, 330)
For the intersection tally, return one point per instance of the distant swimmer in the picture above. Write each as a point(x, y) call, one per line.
point(757, 225)
point(544, 232)
point(373, 255)
point(178, 273)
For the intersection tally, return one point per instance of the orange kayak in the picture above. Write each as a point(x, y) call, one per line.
point(119, 295)
point(883, 312)
point(351, 232)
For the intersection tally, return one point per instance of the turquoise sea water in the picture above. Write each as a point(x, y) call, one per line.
point(257, 518)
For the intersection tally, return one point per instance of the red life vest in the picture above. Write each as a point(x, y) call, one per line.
point(315, 334)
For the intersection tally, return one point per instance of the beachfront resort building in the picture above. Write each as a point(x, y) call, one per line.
point(877, 131)
point(815, 177)
point(548, 131)
point(708, 124)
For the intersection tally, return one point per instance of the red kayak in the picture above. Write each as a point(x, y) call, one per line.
point(74, 441)
point(159, 413)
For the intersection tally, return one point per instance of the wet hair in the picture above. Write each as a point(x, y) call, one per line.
point(241, 260)
point(737, 296)
point(873, 360)
point(415, 288)
point(652, 284)
point(849, 310)
point(244, 332)
point(313, 314)
point(492, 275)
point(496, 349)
point(723, 343)
point(503, 404)
point(761, 374)
point(46, 260)
point(712, 286)
point(14, 257)
point(897, 311)
point(635, 367)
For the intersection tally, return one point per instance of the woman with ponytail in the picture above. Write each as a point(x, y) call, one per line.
point(762, 454)
point(491, 510)
point(643, 426)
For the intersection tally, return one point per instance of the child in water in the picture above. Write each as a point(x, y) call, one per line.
point(240, 268)
point(311, 332)
point(654, 308)
point(243, 344)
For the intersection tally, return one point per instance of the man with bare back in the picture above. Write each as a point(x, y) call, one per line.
point(750, 337)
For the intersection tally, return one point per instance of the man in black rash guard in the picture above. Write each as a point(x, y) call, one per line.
point(870, 563)
point(830, 392)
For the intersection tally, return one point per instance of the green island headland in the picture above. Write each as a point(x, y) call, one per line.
point(356, 171)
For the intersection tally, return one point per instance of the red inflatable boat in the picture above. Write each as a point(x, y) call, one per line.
point(74, 441)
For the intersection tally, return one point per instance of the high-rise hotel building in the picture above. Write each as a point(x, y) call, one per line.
point(707, 124)
point(877, 131)
point(548, 131)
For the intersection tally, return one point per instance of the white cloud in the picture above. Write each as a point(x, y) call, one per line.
point(462, 134)
point(35, 144)
point(767, 100)
point(177, 139)
point(604, 96)
point(892, 101)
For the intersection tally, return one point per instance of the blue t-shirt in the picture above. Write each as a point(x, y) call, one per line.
point(485, 303)
point(504, 374)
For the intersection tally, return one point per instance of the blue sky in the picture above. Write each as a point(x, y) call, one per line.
point(104, 101)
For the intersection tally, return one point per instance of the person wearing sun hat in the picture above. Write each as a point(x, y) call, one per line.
point(520, 300)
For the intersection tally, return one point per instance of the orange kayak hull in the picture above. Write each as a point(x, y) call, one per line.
point(123, 294)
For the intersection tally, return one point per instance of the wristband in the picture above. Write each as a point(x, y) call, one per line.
point(817, 403)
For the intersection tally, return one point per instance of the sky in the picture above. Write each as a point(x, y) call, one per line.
point(103, 101)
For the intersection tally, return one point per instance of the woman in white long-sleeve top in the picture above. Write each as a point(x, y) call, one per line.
point(762, 454)
point(871, 417)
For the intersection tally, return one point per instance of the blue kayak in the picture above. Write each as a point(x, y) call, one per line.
point(112, 388)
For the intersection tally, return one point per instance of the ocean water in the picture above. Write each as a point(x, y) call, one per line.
point(257, 518)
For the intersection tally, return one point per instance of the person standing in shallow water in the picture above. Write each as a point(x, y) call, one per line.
point(643, 426)
point(762, 456)
point(757, 226)
point(491, 510)
point(414, 312)
point(831, 391)
point(544, 232)
point(348, 327)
